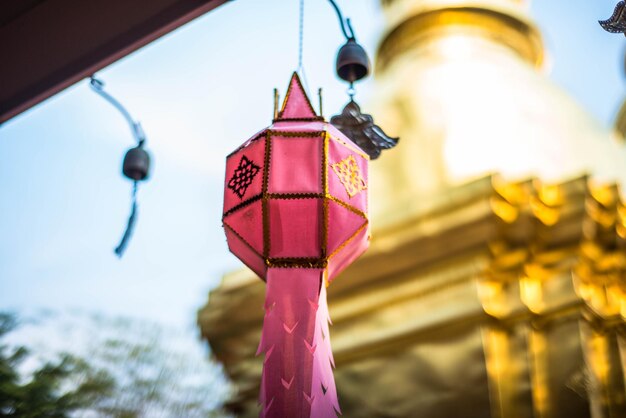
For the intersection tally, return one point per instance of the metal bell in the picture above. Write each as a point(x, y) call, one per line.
point(136, 164)
point(352, 62)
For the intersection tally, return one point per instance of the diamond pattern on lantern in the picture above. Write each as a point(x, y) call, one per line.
point(243, 176)
point(350, 175)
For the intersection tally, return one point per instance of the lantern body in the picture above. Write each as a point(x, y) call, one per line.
point(296, 196)
point(295, 212)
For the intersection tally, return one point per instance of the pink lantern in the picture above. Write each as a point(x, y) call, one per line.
point(295, 212)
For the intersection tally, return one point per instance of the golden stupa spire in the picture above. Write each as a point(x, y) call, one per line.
point(461, 83)
point(505, 20)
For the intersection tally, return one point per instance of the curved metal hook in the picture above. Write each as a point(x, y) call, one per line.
point(135, 127)
point(343, 23)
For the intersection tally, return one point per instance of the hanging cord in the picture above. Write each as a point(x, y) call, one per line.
point(135, 127)
point(348, 32)
point(343, 23)
point(351, 92)
point(301, 34)
point(300, 69)
point(119, 250)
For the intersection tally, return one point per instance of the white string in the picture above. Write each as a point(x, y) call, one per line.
point(300, 69)
point(301, 33)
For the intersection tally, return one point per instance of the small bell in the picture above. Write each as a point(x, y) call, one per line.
point(353, 65)
point(352, 62)
point(136, 165)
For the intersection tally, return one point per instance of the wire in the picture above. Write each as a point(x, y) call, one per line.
point(130, 226)
point(300, 69)
point(301, 38)
point(351, 30)
point(98, 87)
point(342, 23)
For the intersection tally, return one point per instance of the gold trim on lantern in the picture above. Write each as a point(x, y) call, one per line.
point(242, 205)
point(247, 244)
point(351, 146)
point(325, 163)
point(265, 205)
point(346, 242)
point(297, 262)
point(325, 281)
point(347, 206)
point(292, 196)
point(325, 220)
point(315, 119)
point(248, 143)
point(296, 134)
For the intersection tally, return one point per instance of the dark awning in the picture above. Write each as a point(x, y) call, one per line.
point(48, 45)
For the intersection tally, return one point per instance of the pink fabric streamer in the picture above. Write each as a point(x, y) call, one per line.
point(297, 376)
point(295, 212)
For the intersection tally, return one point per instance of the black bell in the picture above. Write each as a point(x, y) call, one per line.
point(352, 62)
point(136, 164)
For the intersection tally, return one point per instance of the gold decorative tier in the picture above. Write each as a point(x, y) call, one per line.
point(495, 299)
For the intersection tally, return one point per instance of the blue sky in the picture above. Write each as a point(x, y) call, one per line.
point(199, 92)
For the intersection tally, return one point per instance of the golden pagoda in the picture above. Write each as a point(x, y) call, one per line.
point(495, 284)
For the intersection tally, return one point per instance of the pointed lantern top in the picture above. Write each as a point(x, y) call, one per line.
point(297, 106)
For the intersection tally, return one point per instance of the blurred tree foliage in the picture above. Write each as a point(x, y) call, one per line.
point(125, 368)
point(55, 389)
